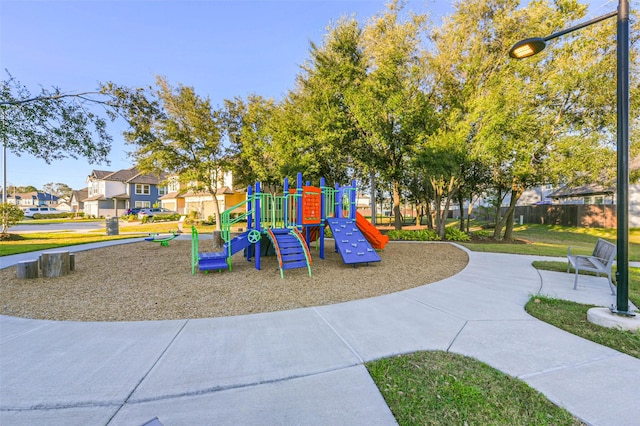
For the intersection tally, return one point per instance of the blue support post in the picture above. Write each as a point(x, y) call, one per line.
point(323, 216)
point(285, 201)
point(338, 202)
point(299, 202)
point(352, 201)
point(258, 225)
point(249, 216)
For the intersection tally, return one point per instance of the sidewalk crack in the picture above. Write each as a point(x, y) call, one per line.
point(351, 348)
point(144, 376)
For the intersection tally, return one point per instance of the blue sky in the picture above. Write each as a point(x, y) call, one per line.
point(221, 48)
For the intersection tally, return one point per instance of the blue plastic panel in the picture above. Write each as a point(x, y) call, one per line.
point(351, 244)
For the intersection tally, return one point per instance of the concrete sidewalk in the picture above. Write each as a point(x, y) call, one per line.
point(305, 366)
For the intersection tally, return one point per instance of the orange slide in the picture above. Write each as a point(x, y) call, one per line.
point(371, 233)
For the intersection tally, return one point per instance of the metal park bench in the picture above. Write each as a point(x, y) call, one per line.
point(600, 261)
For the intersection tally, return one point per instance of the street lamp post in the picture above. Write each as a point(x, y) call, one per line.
point(3, 226)
point(531, 46)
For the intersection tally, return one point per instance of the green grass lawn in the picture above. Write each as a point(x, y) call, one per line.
point(440, 388)
point(27, 242)
point(572, 317)
point(545, 240)
point(33, 241)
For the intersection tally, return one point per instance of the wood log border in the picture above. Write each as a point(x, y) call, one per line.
point(50, 265)
point(28, 269)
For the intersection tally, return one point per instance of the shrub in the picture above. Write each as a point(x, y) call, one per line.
point(454, 234)
point(419, 235)
point(60, 215)
point(12, 212)
point(482, 233)
point(163, 217)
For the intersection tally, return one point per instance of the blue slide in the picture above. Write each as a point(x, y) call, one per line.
point(351, 243)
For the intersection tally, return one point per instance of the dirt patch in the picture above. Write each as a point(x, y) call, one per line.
point(144, 281)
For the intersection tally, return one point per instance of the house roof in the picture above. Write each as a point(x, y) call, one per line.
point(123, 175)
point(34, 195)
point(130, 175)
point(102, 197)
point(123, 196)
point(80, 194)
point(566, 192)
point(100, 174)
point(224, 190)
point(99, 197)
point(172, 195)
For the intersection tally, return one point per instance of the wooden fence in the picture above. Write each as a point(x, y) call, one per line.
point(577, 215)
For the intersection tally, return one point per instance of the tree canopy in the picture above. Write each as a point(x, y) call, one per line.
point(53, 124)
point(435, 114)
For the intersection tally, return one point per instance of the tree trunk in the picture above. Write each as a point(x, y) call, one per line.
point(515, 196)
point(508, 215)
point(396, 205)
point(217, 240)
point(437, 201)
point(429, 215)
point(374, 211)
point(28, 269)
point(508, 230)
point(55, 263)
point(216, 212)
point(461, 206)
point(469, 212)
point(497, 232)
point(440, 193)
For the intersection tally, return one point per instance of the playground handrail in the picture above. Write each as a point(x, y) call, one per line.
point(226, 221)
point(300, 238)
point(330, 201)
point(195, 250)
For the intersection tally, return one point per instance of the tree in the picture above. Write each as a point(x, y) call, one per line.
point(325, 90)
point(60, 190)
point(525, 118)
point(23, 189)
point(11, 214)
point(392, 108)
point(439, 158)
point(177, 132)
point(253, 153)
point(53, 124)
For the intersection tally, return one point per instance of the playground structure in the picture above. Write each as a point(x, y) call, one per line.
point(288, 224)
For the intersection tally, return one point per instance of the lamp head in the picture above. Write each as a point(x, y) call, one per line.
point(527, 47)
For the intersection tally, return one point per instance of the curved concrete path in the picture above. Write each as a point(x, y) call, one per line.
point(305, 366)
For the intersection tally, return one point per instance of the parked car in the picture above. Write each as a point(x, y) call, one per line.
point(134, 210)
point(149, 213)
point(30, 211)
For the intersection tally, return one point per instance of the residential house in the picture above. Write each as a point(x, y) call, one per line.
point(64, 205)
point(113, 193)
point(77, 199)
point(34, 198)
point(184, 199)
point(585, 194)
point(600, 195)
